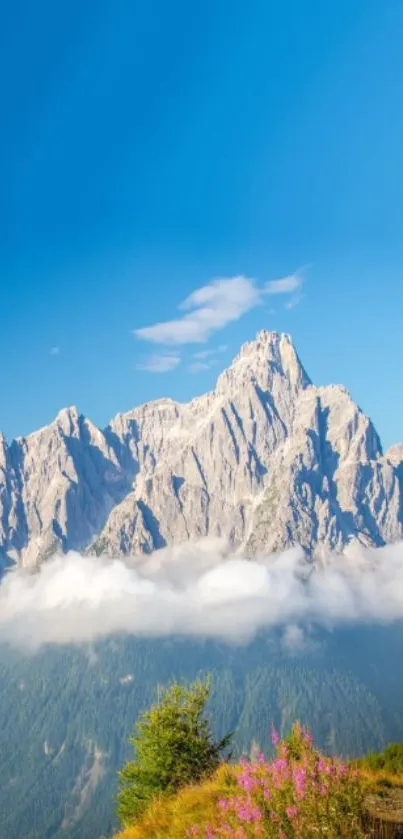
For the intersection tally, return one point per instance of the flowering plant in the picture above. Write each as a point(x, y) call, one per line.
point(299, 793)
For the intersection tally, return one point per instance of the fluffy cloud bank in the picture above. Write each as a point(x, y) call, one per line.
point(197, 590)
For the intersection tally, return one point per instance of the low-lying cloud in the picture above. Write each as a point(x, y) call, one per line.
point(198, 590)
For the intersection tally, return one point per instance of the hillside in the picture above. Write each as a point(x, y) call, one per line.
point(298, 793)
point(67, 712)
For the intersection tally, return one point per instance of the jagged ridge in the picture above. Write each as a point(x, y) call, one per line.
point(265, 460)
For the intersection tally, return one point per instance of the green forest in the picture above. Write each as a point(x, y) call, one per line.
point(67, 712)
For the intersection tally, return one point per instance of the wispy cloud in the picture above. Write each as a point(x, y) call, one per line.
point(294, 301)
point(208, 309)
point(286, 285)
point(205, 359)
point(213, 306)
point(202, 354)
point(159, 363)
point(54, 351)
point(198, 366)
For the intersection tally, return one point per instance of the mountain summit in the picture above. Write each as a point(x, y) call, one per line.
point(266, 460)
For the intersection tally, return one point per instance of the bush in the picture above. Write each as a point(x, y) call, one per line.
point(390, 760)
point(173, 746)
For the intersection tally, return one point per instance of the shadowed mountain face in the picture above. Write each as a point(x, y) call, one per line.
point(266, 460)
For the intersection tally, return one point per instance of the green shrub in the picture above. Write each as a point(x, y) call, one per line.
point(390, 760)
point(173, 746)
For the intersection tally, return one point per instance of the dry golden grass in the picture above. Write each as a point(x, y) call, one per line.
point(169, 818)
point(381, 778)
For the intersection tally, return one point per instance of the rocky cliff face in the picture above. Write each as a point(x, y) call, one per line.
point(266, 460)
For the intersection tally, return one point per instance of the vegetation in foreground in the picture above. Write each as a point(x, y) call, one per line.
point(298, 793)
point(173, 746)
point(388, 763)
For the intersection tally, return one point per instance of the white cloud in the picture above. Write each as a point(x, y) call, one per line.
point(202, 354)
point(286, 285)
point(199, 590)
point(209, 309)
point(294, 301)
point(54, 351)
point(297, 640)
point(205, 359)
point(213, 306)
point(159, 363)
point(198, 366)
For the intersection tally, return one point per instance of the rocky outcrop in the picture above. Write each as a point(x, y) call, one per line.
point(266, 460)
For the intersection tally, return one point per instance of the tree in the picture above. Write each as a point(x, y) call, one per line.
point(173, 746)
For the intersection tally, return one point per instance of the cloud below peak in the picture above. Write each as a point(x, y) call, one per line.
point(199, 589)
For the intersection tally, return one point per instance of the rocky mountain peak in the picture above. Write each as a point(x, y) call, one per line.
point(269, 357)
point(67, 419)
point(395, 454)
point(266, 460)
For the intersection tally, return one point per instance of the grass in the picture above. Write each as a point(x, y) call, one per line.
point(172, 817)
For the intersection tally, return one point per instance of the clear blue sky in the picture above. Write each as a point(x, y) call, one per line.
point(149, 147)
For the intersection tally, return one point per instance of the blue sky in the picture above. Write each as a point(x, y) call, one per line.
point(149, 148)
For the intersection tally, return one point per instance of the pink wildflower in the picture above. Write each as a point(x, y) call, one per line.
point(224, 804)
point(247, 811)
point(300, 782)
point(291, 812)
point(247, 783)
point(280, 765)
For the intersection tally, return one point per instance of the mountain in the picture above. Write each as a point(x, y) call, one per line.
point(265, 460)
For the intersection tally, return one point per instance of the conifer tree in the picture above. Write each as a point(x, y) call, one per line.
point(173, 746)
